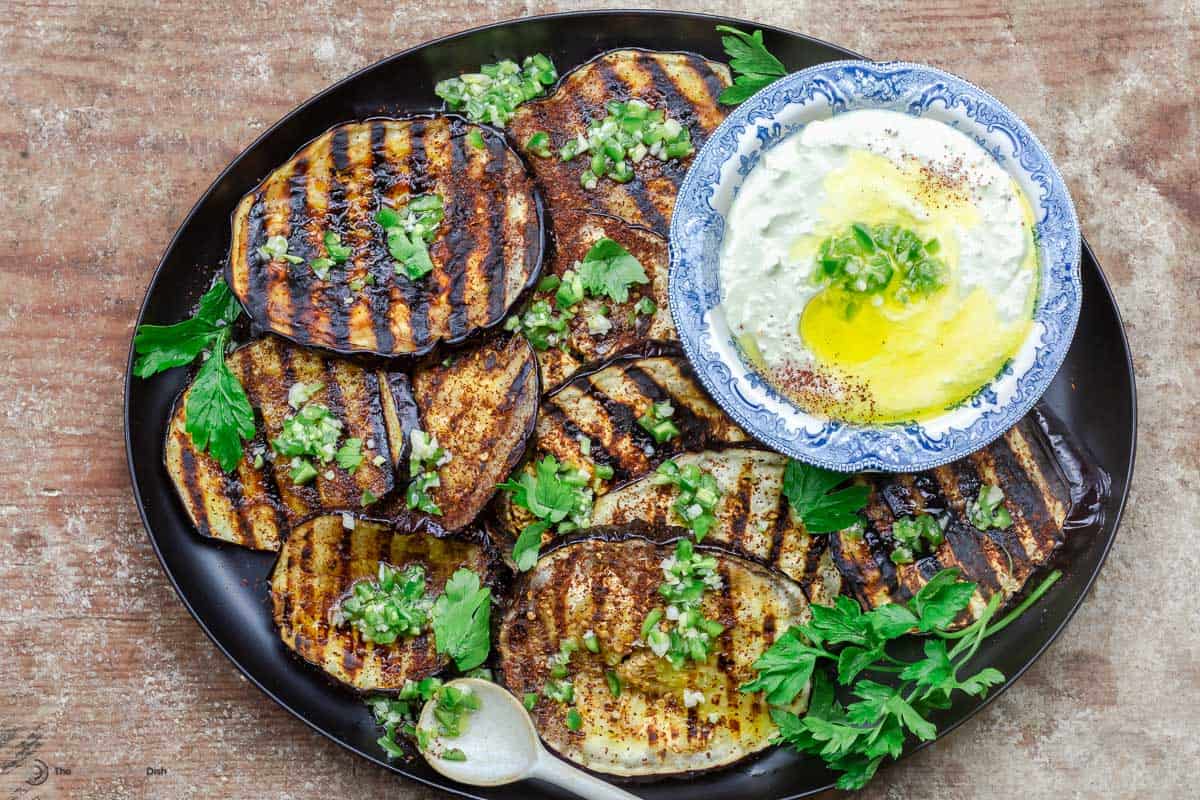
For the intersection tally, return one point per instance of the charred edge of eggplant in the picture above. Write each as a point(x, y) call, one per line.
point(534, 274)
point(651, 348)
point(562, 79)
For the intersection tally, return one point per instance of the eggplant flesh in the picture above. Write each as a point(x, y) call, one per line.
point(684, 85)
point(487, 249)
point(481, 404)
point(605, 581)
point(754, 519)
point(254, 506)
point(1036, 495)
point(752, 516)
point(318, 565)
point(598, 412)
point(623, 328)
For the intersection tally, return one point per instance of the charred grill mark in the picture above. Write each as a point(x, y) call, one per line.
point(299, 277)
point(231, 486)
point(493, 267)
point(258, 266)
point(420, 182)
point(779, 529)
point(694, 428)
point(678, 106)
point(383, 174)
point(967, 545)
point(1023, 494)
point(192, 483)
point(339, 150)
point(712, 81)
point(738, 505)
point(459, 236)
point(623, 419)
point(815, 547)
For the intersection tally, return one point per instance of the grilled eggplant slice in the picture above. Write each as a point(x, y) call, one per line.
point(599, 412)
point(320, 562)
point(1037, 497)
point(605, 581)
point(685, 85)
point(481, 406)
point(753, 517)
point(487, 251)
point(574, 235)
point(255, 505)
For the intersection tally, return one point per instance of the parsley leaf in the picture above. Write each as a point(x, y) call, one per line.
point(785, 668)
point(218, 413)
point(752, 63)
point(462, 620)
point(161, 347)
point(349, 455)
point(808, 490)
point(610, 269)
point(525, 551)
point(855, 739)
point(557, 495)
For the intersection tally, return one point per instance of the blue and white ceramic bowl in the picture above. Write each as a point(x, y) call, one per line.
point(698, 225)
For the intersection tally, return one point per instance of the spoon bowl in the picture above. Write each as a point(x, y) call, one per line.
point(502, 746)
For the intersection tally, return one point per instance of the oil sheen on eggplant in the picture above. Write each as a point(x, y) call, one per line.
point(684, 85)
point(605, 580)
point(486, 252)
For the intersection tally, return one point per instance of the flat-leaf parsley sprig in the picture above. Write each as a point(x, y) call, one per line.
point(218, 415)
point(854, 739)
point(811, 494)
point(753, 65)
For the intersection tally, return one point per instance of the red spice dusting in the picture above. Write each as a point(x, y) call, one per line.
point(822, 392)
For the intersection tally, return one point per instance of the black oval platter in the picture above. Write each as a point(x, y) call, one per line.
point(224, 587)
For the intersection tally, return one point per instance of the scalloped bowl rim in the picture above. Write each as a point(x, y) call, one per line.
point(755, 126)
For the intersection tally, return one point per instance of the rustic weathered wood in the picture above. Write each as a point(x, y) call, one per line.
point(115, 116)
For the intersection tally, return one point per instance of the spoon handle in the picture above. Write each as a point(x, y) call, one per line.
point(562, 774)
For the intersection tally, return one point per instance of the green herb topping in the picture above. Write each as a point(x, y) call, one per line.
point(608, 270)
point(753, 66)
point(454, 705)
point(687, 633)
point(698, 495)
point(218, 415)
point(809, 491)
point(392, 606)
point(558, 495)
point(541, 325)
point(462, 620)
point(854, 740)
point(987, 509)
point(398, 715)
point(657, 422)
point(867, 259)
point(312, 432)
point(631, 131)
point(493, 94)
point(539, 144)
point(349, 455)
point(409, 230)
point(475, 139)
point(425, 456)
point(915, 535)
point(277, 247)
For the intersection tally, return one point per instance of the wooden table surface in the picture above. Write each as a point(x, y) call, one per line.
point(115, 116)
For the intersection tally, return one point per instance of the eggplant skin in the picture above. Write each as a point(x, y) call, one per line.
point(685, 85)
point(319, 563)
point(605, 580)
point(575, 233)
point(603, 407)
point(1000, 561)
point(753, 516)
point(487, 251)
point(482, 407)
point(255, 506)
